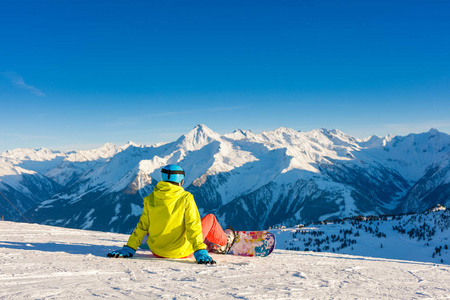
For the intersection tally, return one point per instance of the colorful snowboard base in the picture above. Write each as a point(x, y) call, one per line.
point(247, 243)
point(253, 243)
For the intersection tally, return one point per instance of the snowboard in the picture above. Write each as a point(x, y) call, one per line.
point(253, 243)
point(246, 243)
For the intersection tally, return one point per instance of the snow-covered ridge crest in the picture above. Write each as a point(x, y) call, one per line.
point(104, 152)
point(239, 134)
point(40, 154)
point(18, 156)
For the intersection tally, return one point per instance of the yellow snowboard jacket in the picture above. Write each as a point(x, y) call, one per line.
point(172, 222)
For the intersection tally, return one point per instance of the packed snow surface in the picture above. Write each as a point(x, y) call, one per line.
point(43, 262)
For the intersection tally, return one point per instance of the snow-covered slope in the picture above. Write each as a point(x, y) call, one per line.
point(420, 237)
point(43, 262)
point(252, 181)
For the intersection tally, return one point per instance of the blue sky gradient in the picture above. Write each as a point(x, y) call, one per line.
point(77, 74)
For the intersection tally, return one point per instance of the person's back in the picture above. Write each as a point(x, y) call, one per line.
point(174, 228)
point(171, 221)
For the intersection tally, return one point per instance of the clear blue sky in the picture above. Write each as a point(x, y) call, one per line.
point(77, 74)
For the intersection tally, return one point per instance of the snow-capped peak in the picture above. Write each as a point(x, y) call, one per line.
point(433, 131)
point(129, 144)
point(338, 138)
point(198, 137)
point(240, 134)
point(374, 141)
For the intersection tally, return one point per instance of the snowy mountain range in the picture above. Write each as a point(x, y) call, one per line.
point(250, 181)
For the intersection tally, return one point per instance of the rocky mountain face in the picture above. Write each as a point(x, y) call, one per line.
point(250, 181)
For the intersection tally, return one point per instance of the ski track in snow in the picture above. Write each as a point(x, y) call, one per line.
point(44, 262)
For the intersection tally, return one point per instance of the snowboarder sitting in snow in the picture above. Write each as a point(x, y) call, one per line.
point(172, 222)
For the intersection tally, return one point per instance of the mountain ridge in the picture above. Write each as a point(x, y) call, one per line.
point(250, 180)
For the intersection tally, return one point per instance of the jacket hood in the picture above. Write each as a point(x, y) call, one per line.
point(167, 191)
